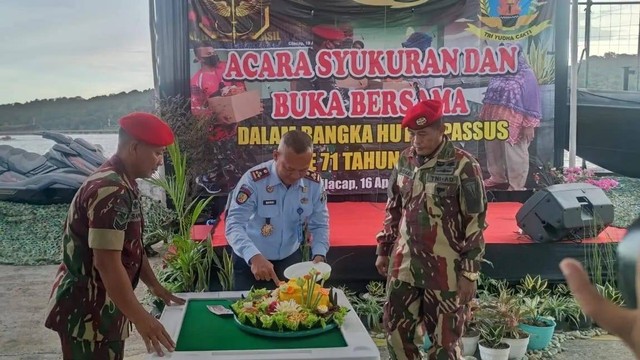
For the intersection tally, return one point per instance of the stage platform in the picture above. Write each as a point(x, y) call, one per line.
point(353, 226)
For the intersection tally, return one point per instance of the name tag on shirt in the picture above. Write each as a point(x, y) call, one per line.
point(445, 168)
point(444, 179)
point(269, 202)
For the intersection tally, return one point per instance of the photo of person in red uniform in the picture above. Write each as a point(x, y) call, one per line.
point(206, 83)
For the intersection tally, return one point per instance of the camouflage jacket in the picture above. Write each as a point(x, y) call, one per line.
point(104, 214)
point(435, 216)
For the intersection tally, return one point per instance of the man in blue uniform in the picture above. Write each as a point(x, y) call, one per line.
point(274, 209)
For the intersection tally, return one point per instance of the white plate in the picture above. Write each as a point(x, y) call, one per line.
point(303, 268)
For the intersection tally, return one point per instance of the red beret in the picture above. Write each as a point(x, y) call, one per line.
point(328, 32)
point(422, 114)
point(147, 128)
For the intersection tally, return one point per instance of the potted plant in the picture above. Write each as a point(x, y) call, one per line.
point(558, 307)
point(492, 346)
point(539, 328)
point(517, 339)
point(509, 311)
point(368, 306)
point(533, 286)
point(188, 263)
point(471, 334)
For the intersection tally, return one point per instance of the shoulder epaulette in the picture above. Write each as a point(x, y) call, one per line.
point(260, 174)
point(313, 176)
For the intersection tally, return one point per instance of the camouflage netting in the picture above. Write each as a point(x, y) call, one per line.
point(30, 234)
point(626, 201)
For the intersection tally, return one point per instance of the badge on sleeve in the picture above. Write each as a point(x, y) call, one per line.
point(473, 196)
point(244, 193)
point(121, 208)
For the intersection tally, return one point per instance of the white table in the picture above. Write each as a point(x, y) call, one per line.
point(360, 346)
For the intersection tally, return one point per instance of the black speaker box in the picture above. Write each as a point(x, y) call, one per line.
point(565, 212)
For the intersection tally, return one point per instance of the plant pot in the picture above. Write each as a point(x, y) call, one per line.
point(518, 347)
point(427, 343)
point(539, 336)
point(469, 344)
point(582, 324)
point(494, 354)
point(563, 325)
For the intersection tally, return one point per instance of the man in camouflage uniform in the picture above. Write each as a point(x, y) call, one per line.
point(432, 243)
point(92, 299)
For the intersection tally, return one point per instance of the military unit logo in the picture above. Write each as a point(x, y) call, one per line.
point(510, 20)
point(243, 194)
point(236, 21)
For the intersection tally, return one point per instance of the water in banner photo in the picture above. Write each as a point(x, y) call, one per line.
point(346, 71)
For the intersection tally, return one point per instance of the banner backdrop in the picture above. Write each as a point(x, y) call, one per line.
point(346, 71)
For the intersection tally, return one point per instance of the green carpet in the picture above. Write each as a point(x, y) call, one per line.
point(205, 331)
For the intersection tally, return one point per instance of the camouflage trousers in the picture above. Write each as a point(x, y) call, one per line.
point(79, 349)
point(410, 311)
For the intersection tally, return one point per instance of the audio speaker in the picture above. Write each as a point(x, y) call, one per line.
point(565, 212)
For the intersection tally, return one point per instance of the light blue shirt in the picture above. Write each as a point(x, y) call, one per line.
point(261, 199)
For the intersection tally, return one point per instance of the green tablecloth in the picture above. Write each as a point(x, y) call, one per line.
point(205, 331)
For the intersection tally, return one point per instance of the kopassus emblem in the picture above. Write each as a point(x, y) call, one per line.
point(239, 19)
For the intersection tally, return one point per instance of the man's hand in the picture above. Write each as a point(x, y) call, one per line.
point(262, 269)
point(466, 289)
point(318, 258)
point(166, 296)
point(153, 334)
point(624, 323)
point(528, 133)
point(382, 264)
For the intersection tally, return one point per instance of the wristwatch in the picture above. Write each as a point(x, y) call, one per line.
point(324, 258)
point(471, 276)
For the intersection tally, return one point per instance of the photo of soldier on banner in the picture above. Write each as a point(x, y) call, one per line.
point(262, 68)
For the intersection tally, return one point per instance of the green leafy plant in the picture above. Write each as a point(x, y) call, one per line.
point(533, 286)
point(557, 307)
point(491, 335)
point(225, 268)
point(491, 323)
point(513, 314)
point(610, 293)
point(562, 290)
point(543, 65)
point(350, 294)
point(370, 311)
point(188, 264)
point(491, 287)
point(369, 306)
point(532, 314)
point(190, 269)
point(574, 314)
point(376, 289)
point(176, 188)
point(159, 223)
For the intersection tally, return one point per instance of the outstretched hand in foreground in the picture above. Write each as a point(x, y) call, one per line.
point(619, 321)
